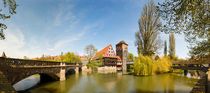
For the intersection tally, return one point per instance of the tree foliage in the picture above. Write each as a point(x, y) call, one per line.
point(90, 50)
point(68, 57)
point(6, 14)
point(94, 64)
point(145, 65)
point(71, 58)
point(147, 41)
point(172, 45)
point(130, 57)
point(192, 17)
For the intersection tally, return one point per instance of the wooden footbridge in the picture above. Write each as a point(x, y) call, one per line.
point(203, 64)
point(13, 70)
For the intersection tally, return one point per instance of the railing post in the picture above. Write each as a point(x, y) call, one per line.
point(77, 68)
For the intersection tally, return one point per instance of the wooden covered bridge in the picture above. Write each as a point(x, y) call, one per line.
point(14, 70)
point(203, 65)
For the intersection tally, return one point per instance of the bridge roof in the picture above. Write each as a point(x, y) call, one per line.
point(194, 61)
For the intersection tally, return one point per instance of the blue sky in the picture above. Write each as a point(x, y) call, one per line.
point(53, 26)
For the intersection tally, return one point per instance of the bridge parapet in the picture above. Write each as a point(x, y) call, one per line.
point(31, 63)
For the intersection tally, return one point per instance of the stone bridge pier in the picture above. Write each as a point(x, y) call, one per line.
point(62, 72)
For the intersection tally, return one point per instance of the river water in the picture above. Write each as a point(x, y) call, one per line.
point(112, 83)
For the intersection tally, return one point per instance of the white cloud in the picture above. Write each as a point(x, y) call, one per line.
point(71, 39)
point(14, 42)
point(64, 14)
point(18, 45)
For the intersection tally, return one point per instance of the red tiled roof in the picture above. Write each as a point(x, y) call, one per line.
point(104, 52)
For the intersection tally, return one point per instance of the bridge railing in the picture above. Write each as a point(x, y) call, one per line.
point(26, 62)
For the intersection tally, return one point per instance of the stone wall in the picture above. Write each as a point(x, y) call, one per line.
point(5, 86)
point(107, 69)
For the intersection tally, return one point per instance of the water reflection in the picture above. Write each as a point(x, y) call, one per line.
point(27, 83)
point(117, 83)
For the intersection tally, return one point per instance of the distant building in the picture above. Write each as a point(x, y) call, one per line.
point(111, 58)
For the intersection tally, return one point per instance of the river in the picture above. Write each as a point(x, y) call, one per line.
point(111, 83)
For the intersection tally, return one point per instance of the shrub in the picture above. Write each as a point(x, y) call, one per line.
point(143, 65)
point(94, 64)
point(163, 65)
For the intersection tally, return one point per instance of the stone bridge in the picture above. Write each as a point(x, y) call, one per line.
point(14, 70)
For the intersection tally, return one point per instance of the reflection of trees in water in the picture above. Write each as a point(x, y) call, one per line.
point(106, 81)
point(114, 83)
point(156, 83)
point(184, 80)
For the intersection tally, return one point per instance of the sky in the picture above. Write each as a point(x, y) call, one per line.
point(50, 27)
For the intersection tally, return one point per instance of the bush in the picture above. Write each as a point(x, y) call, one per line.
point(145, 65)
point(94, 64)
point(163, 65)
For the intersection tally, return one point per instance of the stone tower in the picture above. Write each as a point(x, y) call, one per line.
point(122, 52)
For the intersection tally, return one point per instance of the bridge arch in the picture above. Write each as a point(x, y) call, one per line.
point(44, 77)
point(70, 71)
point(40, 78)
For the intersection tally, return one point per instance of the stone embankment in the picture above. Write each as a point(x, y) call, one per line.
point(106, 69)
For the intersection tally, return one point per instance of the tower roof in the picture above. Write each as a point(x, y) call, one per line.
point(122, 42)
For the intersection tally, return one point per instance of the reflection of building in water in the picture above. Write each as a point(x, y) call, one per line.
point(109, 58)
point(62, 87)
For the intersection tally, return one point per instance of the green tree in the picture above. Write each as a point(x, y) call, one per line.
point(147, 41)
point(71, 58)
point(90, 50)
point(130, 57)
point(191, 17)
point(165, 49)
point(4, 14)
point(171, 45)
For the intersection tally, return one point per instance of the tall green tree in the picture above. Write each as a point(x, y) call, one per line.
point(147, 40)
point(165, 48)
point(191, 17)
point(172, 45)
point(90, 50)
point(9, 5)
